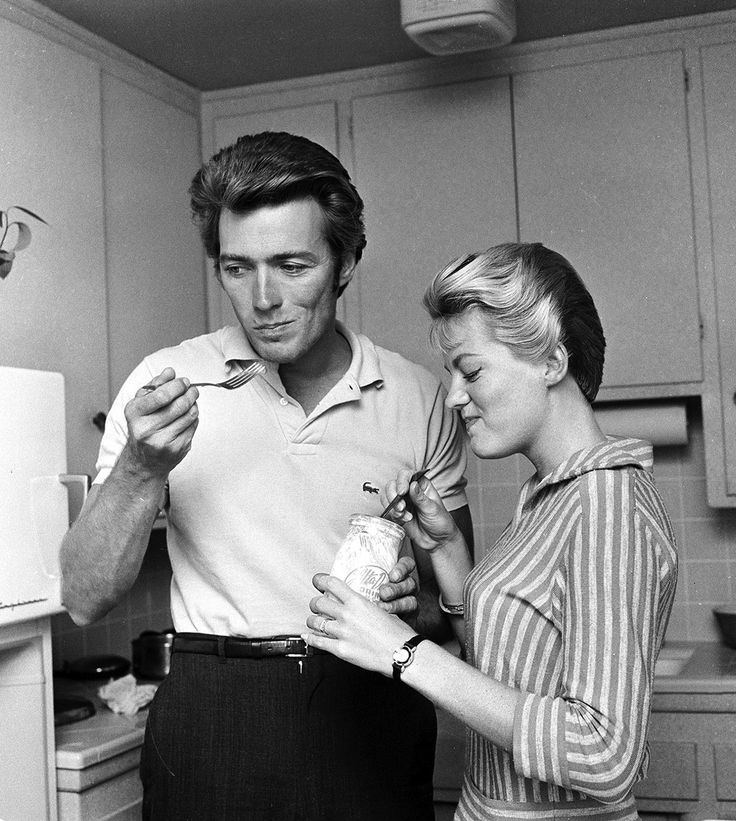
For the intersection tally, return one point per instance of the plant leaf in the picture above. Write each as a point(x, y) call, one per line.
point(6, 263)
point(30, 213)
point(24, 236)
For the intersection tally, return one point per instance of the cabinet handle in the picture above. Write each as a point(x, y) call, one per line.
point(98, 420)
point(81, 481)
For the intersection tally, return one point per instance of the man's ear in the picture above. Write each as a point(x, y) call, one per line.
point(556, 366)
point(347, 269)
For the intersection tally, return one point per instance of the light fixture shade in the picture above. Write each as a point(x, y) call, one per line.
point(453, 26)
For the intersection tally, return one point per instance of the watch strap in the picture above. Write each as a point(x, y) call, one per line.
point(410, 646)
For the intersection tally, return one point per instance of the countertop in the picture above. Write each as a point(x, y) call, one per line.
point(98, 738)
point(700, 677)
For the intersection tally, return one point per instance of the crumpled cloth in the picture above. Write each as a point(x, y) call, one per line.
point(125, 696)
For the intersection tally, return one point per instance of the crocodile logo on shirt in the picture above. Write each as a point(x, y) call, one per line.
point(369, 488)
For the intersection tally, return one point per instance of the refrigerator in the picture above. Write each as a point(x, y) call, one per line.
point(34, 516)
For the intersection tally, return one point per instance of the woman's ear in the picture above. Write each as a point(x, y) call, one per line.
point(556, 366)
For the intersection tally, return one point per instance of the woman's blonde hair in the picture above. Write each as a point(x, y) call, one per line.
point(532, 300)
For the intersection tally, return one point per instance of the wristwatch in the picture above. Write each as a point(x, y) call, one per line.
point(404, 655)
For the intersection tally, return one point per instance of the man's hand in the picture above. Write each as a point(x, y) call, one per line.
point(398, 595)
point(162, 422)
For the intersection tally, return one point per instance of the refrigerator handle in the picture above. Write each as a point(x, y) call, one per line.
point(83, 482)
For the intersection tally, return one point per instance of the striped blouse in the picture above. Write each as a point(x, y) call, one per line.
point(570, 607)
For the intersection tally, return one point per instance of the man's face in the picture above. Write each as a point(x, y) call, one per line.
point(278, 271)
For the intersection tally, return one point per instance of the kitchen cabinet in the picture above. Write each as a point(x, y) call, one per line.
point(604, 178)
point(692, 769)
point(435, 169)
point(53, 304)
point(97, 762)
point(719, 100)
point(27, 776)
point(104, 149)
point(692, 739)
point(155, 262)
point(613, 148)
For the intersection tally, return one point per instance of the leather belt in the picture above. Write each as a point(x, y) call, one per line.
point(240, 648)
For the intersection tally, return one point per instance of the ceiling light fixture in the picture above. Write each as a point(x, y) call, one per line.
point(454, 26)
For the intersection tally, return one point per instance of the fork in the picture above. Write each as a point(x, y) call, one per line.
point(415, 477)
point(252, 369)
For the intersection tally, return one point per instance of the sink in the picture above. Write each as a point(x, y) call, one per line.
point(672, 660)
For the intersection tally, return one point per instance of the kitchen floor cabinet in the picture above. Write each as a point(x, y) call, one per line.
point(692, 774)
point(604, 178)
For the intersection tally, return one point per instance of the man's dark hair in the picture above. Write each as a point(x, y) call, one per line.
point(272, 168)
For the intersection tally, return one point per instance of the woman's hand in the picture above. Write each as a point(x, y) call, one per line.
point(353, 628)
point(426, 522)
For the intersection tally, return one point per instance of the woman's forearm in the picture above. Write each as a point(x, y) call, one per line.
point(480, 702)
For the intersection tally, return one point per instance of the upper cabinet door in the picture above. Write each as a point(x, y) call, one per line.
point(155, 261)
point(604, 179)
point(719, 70)
point(435, 169)
point(52, 305)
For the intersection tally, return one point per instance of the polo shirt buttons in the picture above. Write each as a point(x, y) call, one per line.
point(283, 401)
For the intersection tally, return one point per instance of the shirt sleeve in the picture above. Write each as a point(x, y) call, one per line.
point(591, 736)
point(445, 457)
point(116, 427)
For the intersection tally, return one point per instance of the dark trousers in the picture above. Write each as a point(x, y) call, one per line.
point(286, 739)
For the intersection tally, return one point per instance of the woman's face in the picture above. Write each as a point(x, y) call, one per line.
point(501, 396)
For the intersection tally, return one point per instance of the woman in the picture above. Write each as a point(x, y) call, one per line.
point(565, 615)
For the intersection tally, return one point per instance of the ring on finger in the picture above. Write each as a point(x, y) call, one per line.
point(322, 626)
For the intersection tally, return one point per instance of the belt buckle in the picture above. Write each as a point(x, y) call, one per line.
point(301, 655)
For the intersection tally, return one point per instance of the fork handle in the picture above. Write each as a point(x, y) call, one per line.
point(149, 388)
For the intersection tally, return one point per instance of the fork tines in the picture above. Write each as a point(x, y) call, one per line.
point(245, 375)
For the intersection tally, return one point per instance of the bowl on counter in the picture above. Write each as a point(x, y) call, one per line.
point(726, 619)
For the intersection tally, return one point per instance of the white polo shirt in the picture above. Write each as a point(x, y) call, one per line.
point(261, 502)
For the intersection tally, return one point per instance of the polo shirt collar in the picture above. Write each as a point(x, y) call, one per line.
point(235, 346)
point(616, 452)
point(364, 368)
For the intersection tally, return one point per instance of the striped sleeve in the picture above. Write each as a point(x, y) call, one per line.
point(591, 735)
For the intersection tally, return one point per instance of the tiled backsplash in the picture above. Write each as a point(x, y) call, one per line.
point(146, 607)
point(706, 541)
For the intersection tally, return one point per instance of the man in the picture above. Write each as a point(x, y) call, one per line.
point(258, 485)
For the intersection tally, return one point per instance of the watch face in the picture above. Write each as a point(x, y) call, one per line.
point(402, 655)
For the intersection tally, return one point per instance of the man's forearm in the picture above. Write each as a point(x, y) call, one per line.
point(102, 553)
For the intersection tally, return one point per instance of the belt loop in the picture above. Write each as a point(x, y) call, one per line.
point(221, 648)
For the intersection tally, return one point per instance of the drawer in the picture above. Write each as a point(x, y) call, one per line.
point(120, 799)
point(84, 779)
point(725, 763)
point(672, 773)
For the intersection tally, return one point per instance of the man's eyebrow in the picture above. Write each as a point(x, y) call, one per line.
point(232, 258)
point(282, 255)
